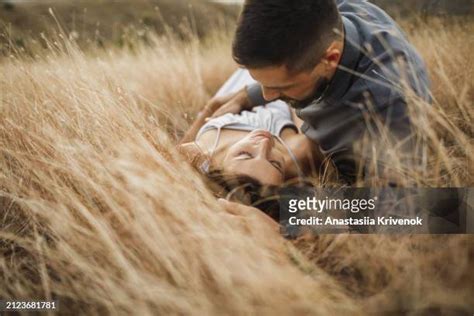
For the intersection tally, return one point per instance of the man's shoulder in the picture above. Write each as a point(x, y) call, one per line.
point(386, 83)
point(377, 30)
point(389, 78)
point(388, 60)
point(364, 9)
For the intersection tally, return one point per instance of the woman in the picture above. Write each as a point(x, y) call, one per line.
point(263, 145)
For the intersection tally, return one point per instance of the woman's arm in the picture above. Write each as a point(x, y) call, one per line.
point(298, 122)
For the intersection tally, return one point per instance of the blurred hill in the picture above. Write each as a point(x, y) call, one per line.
point(101, 23)
point(105, 22)
point(427, 7)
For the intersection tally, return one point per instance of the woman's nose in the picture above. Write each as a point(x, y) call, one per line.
point(270, 94)
point(265, 147)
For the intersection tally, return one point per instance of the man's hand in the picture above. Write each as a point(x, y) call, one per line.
point(232, 103)
point(217, 106)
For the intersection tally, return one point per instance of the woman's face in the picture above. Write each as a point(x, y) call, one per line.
point(258, 155)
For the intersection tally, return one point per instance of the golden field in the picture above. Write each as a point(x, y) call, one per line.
point(100, 212)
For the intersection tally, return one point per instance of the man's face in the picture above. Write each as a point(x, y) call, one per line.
point(296, 89)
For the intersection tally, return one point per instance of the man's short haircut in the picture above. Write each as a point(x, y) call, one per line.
point(285, 32)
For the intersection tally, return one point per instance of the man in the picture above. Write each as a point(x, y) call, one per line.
point(343, 66)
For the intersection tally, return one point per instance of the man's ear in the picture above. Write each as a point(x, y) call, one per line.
point(332, 56)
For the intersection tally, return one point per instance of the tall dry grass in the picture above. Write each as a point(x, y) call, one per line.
point(100, 212)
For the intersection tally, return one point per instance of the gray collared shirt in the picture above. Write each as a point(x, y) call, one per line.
point(376, 61)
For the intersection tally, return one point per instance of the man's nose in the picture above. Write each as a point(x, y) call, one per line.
point(270, 94)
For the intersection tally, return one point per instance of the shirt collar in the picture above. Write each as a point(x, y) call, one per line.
point(341, 80)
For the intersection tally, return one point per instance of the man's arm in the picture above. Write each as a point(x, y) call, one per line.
point(191, 133)
point(244, 99)
point(208, 111)
point(255, 94)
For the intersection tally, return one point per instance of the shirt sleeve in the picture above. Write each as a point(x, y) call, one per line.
point(338, 126)
point(255, 95)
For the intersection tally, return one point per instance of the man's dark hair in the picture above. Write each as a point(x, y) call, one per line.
point(285, 32)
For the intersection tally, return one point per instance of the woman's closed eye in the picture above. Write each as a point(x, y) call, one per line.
point(277, 165)
point(247, 155)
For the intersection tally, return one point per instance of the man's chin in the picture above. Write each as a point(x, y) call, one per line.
point(297, 104)
point(318, 92)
